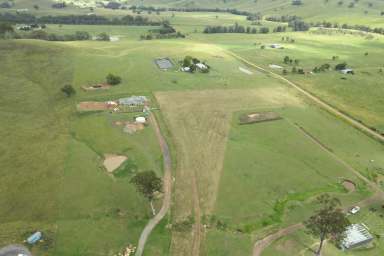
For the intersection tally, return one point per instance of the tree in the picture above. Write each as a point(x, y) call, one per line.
point(113, 79)
point(68, 90)
point(147, 183)
point(341, 66)
point(328, 222)
point(103, 37)
point(36, 7)
point(5, 28)
point(286, 59)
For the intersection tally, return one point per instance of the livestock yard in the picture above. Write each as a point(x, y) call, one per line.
point(241, 150)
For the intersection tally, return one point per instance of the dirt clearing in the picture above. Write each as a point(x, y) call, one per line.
point(112, 161)
point(246, 71)
point(92, 106)
point(259, 117)
point(349, 185)
point(130, 127)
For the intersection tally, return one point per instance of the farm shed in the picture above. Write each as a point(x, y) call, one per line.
point(164, 63)
point(347, 71)
point(201, 66)
point(133, 101)
point(356, 235)
point(276, 46)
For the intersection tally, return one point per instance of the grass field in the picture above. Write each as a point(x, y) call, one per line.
point(232, 183)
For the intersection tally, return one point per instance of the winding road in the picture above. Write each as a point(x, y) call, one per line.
point(167, 188)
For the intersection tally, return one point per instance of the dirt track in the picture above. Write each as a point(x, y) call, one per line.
point(167, 188)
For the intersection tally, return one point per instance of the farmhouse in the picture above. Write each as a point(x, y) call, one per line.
point(356, 235)
point(347, 71)
point(133, 101)
point(201, 66)
point(276, 46)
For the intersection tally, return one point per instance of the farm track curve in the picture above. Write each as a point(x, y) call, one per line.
point(167, 188)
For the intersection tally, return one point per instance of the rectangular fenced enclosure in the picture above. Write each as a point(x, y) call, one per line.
point(164, 63)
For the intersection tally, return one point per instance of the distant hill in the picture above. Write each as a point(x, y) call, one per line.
point(345, 11)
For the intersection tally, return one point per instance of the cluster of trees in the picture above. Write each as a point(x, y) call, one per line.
point(191, 63)
point(322, 68)
point(59, 5)
point(295, 22)
point(165, 31)
point(288, 60)
point(6, 4)
point(235, 29)
point(326, 24)
point(113, 79)
point(78, 19)
point(287, 39)
point(297, 2)
point(250, 15)
point(7, 31)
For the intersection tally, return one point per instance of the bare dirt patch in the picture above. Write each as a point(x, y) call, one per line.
point(92, 106)
point(349, 185)
point(130, 127)
point(96, 87)
point(246, 71)
point(258, 117)
point(112, 161)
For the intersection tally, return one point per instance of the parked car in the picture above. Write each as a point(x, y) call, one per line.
point(354, 210)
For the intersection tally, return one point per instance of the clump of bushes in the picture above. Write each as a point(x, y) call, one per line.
point(113, 79)
point(191, 64)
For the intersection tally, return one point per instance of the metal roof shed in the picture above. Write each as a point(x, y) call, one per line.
point(356, 235)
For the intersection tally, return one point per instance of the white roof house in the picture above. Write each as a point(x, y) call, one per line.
point(201, 66)
point(133, 101)
point(276, 46)
point(356, 235)
point(347, 71)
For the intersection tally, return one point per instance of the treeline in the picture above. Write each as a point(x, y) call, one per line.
point(164, 32)
point(326, 24)
point(78, 19)
point(249, 15)
point(42, 35)
point(294, 22)
point(241, 29)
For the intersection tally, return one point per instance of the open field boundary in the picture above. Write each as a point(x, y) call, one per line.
point(333, 110)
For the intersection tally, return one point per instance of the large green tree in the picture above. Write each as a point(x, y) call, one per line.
point(147, 183)
point(327, 222)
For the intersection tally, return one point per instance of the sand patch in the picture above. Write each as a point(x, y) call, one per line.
point(130, 127)
point(92, 106)
point(349, 185)
point(246, 71)
point(112, 162)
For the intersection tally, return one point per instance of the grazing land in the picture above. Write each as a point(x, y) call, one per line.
point(248, 152)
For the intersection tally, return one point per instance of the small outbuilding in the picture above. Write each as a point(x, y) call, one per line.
point(133, 101)
point(347, 71)
point(201, 66)
point(356, 235)
point(276, 46)
point(34, 238)
point(140, 120)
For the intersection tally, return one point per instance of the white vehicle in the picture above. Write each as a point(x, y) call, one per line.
point(354, 210)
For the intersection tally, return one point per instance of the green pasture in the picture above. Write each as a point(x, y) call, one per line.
point(53, 179)
point(358, 95)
